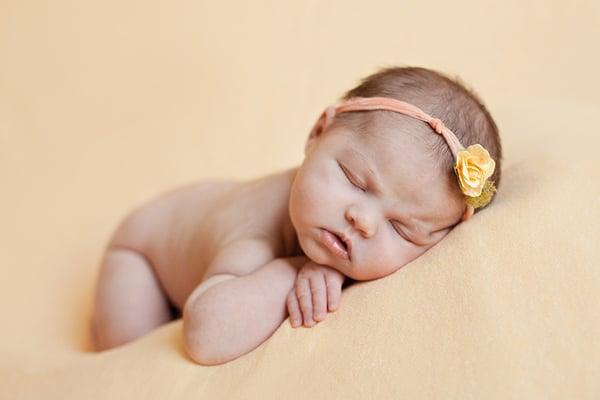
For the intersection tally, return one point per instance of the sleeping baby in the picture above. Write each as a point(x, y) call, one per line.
point(388, 172)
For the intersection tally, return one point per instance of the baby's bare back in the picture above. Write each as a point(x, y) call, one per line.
point(206, 228)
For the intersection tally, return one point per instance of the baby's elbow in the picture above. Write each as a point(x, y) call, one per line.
point(199, 356)
point(201, 340)
point(193, 347)
point(196, 345)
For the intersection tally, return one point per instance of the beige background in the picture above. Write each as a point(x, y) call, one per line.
point(104, 104)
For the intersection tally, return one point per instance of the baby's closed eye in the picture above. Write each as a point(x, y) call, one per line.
point(353, 180)
point(363, 187)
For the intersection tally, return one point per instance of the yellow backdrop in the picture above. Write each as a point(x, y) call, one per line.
point(103, 104)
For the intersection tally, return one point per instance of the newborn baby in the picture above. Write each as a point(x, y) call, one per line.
point(387, 174)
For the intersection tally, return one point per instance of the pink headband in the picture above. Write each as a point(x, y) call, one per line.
point(389, 104)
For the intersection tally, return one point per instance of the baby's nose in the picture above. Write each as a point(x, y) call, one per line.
point(361, 221)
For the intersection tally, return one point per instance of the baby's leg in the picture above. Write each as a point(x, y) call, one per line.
point(129, 299)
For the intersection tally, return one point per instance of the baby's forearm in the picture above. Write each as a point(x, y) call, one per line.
point(235, 316)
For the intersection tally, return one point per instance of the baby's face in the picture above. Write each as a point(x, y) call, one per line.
point(381, 191)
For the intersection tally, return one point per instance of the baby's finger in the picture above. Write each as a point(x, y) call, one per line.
point(294, 310)
point(334, 292)
point(305, 299)
point(319, 296)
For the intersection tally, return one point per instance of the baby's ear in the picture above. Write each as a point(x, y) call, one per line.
point(322, 123)
point(310, 142)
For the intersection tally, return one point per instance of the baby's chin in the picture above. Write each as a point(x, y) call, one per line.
point(316, 255)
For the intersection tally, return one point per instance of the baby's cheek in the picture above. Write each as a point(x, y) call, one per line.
point(312, 197)
point(300, 197)
point(395, 256)
point(411, 255)
point(305, 206)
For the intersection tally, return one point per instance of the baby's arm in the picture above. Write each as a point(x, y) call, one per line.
point(236, 315)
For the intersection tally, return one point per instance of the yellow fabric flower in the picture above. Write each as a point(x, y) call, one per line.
point(473, 167)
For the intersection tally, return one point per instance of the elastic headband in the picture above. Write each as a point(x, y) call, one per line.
point(473, 165)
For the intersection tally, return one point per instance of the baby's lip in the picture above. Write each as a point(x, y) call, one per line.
point(346, 241)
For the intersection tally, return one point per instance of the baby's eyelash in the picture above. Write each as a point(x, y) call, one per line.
point(398, 231)
point(350, 179)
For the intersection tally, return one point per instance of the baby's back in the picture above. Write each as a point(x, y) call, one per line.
point(207, 228)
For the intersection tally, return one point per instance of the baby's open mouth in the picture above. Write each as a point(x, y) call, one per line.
point(336, 243)
point(344, 245)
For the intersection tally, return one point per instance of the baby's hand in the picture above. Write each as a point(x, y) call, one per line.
point(318, 289)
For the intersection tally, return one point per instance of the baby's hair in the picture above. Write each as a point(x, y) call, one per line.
point(459, 108)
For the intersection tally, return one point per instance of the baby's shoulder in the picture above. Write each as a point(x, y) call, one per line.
point(250, 222)
point(254, 211)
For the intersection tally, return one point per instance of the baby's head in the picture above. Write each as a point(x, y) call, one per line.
point(384, 181)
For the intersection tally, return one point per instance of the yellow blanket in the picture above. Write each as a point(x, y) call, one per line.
point(104, 104)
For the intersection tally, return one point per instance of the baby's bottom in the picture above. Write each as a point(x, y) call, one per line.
point(129, 299)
